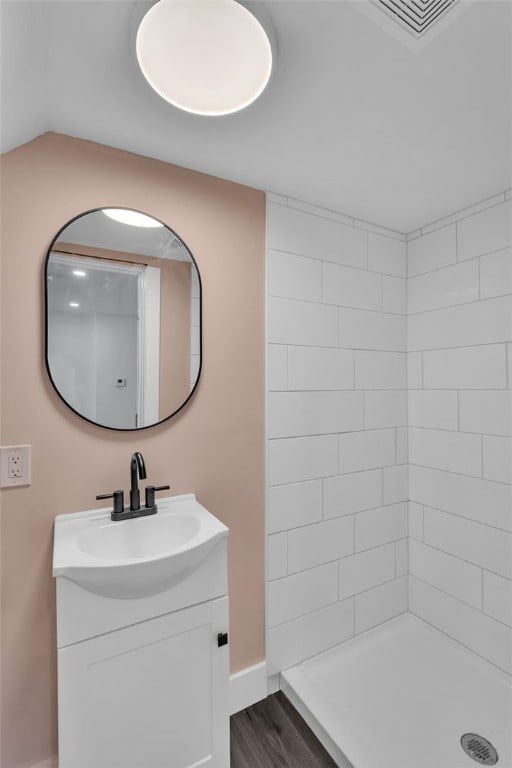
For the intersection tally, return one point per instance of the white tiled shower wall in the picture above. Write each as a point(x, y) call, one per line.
point(337, 416)
point(337, 550)
point(460, 429)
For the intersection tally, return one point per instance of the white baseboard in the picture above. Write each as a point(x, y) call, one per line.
point(50, 763)
point(273, 684)
point(247, 687)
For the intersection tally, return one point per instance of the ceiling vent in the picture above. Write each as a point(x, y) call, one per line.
point(416, 16)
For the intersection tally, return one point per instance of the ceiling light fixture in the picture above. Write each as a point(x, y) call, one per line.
point(79, 273)
point(74, 304)
point(209, 57)
point(133, 218)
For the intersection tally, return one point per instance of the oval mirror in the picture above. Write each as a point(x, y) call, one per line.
point(123, 318)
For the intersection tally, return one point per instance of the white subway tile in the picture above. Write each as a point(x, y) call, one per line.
point(481, 322)
point(415, 521)
point(395, 484)
point(486, 412)
point(487, 231)
point(465, 368)
point(481, 500)
point(276, 556)
point(380, 370)
point(386, 255)
point(301, 322)
point(348, 287)
point(451, 451)
point(496, 274)
point(367, 450)
point(294, 277)
point(291, 414)
point(464, 213)
point(470, 627)
point(276, 367)
point(273, 197)
point(366, 570)
point(346, 494)
point(402, 445)
point(317, 368)
point(316, 210)
point(381, 603)
point(445, 287)
point(369, 227)
point(497, 458)
point(320, 543)
point(361, 329)
point(294, 505)
point(374, 527)
point(302, 458)
point(414, 370)
point(301, 593)
point(385, 408)
point(432, 251)
point(490, 548)
point(394, 294)
point(302, 638)
point(450, 574)
point(401, 557)
point(498, 597)
point(437, 409)
point(304, 234)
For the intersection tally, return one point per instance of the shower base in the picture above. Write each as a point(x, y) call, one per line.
point(402, 696)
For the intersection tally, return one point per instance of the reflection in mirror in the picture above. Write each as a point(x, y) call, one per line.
point(123, 318)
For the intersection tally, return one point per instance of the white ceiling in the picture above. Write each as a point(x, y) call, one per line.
point(352, 119)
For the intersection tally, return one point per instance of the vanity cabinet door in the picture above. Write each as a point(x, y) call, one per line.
point(153, 695)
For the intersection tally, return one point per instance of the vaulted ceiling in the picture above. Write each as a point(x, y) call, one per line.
point(353, 119)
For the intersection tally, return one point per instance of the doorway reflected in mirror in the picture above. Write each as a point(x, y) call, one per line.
point(123, 319)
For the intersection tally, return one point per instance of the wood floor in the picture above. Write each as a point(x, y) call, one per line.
point(272, 734)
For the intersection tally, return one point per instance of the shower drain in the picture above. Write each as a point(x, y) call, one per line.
point(479, 749)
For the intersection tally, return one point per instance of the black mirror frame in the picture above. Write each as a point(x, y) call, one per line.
point(47, 365)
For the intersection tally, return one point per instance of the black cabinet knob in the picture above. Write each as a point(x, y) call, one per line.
point(222, 639)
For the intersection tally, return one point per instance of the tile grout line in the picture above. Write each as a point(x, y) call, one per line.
point(461, 517)
point(461, 214)
point(439, 309)
point(451, 263)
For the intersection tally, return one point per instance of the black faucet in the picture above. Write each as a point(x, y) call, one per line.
point(137, 471)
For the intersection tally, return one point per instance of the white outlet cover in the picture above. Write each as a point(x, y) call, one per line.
point(25, 454)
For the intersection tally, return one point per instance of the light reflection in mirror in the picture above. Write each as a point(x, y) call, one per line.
point(123, 321)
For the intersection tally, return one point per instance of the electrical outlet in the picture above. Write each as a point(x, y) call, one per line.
point(14, 465)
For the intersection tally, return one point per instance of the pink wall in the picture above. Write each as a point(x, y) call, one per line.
point(214, 447)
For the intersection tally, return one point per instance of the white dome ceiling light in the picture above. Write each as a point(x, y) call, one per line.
point(209, 57)
point(133, 218)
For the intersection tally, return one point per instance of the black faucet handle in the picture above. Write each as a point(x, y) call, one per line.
point(118, 497)
point(150, 493)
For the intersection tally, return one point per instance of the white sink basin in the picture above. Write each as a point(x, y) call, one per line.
point(138, 557)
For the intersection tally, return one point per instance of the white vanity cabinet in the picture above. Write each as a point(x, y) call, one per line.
point(151, 695)
point(143, 682)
